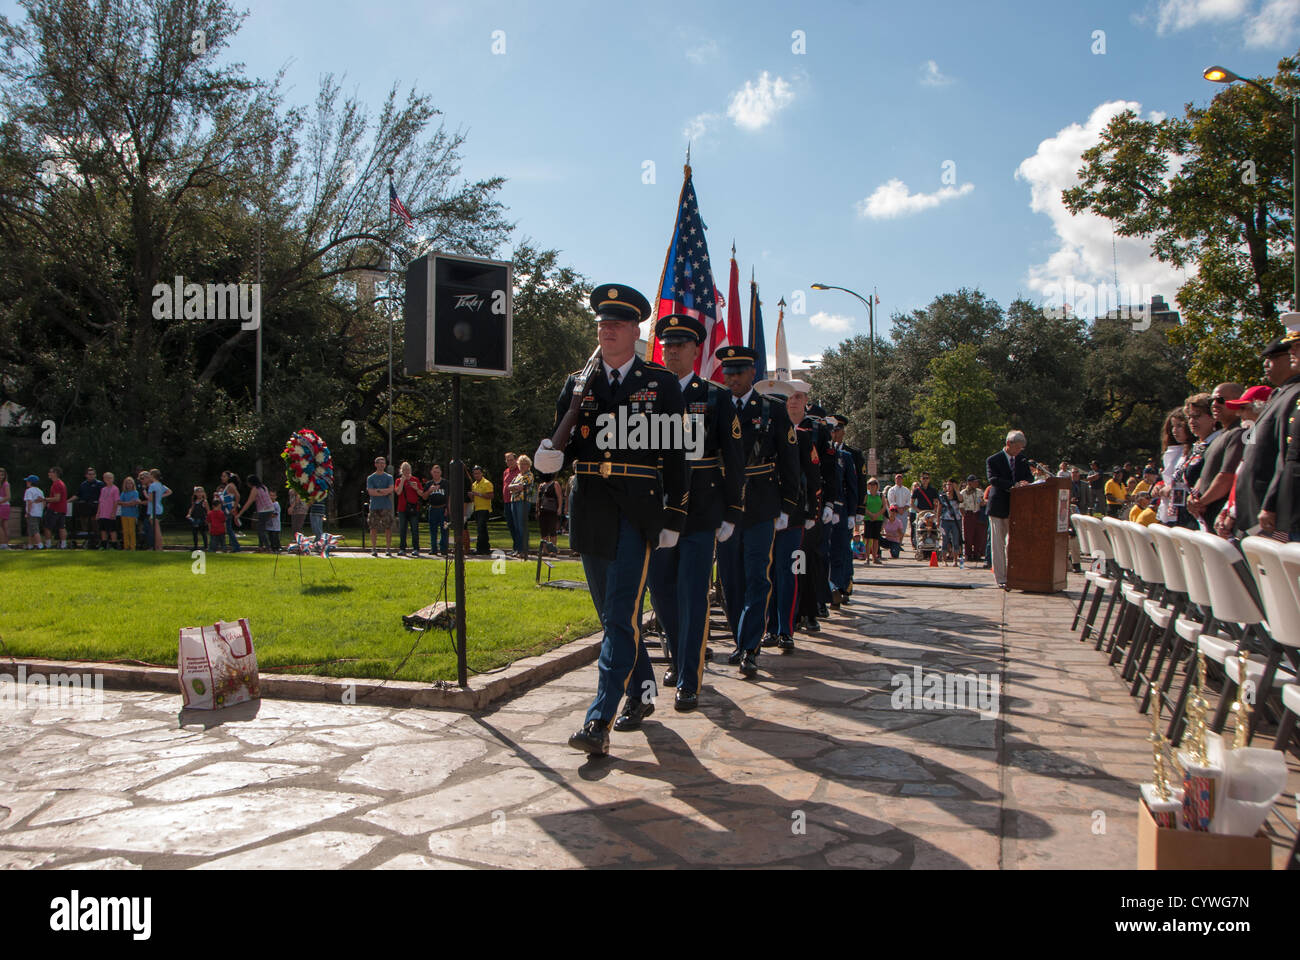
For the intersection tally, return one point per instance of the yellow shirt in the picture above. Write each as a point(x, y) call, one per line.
point(1141, 487)
point(1139, 515)
point(482, 490)
point(1115, 493)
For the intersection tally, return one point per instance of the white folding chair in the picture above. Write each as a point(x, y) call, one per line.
point(1188, 627)
point(1092, 548)
point(1176, 590)
point(1132, 589)
point(1159, 608)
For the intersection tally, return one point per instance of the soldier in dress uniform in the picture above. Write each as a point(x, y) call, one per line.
point(789, 557)
point(771, 493)
point(841, 534)
point(814, 584)
point(680, 576)
point(631, 495)
point(1259, 452)
point(1279, 508)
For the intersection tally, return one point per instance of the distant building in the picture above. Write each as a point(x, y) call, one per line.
point(1157, 311)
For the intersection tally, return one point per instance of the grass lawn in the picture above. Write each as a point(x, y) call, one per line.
point(117, 606)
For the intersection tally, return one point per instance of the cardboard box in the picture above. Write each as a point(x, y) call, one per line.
point(1162, 849)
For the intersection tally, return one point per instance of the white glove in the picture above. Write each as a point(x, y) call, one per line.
point(809, 524)
point(667, 539)
point(725, 531)
point(783, 521)
point(827, 513)
point(547, 459)
point(835, 518)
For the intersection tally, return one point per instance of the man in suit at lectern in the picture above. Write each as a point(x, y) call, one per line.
point(1006, 469)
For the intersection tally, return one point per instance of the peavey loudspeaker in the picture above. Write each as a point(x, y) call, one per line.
point(458, 312)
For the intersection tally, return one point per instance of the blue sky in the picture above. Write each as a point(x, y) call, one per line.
point(789, 147)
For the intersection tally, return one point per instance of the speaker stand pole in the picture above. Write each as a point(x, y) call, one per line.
point(457, 506)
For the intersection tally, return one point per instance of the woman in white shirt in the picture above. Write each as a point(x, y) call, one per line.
point(1175, 441)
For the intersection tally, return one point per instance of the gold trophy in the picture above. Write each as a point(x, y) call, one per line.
point(1240, 707)
point(1158, 796)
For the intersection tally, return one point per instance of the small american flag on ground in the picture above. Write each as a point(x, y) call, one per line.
point(396, 205)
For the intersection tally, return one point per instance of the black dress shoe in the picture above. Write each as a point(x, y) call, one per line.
point(785, 643)
point(634, 711)
point(592, 739)
point(813, 626)
point(686, 702)
point(736, 656)
point(769, 640)
point(749, 665)
point(670, 678)
point(822, 611)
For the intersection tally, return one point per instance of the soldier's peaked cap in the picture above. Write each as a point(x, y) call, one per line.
point(618, 301)
point(736, 357)
point(679, 328)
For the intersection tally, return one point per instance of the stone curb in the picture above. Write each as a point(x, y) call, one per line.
point(483, 691)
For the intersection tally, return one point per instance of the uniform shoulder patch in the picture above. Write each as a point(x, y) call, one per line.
point(735, 427)
point(791, 438)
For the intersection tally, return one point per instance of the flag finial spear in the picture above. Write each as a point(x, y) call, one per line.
point(733, 248)
point(688, 158)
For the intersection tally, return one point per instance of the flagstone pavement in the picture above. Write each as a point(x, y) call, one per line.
point(811, 765)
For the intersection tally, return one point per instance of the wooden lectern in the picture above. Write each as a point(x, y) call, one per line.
point(1039, 535)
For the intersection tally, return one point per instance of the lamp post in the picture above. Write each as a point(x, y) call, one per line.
point(871, 364)
point(1217, 74)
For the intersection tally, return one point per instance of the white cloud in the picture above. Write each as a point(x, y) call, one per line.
point(1275, 24)
point(831, 322)
point(704, 52)
point(893, 199)
point(698, 126)
point(1084, 253)
point(1266, 23)
point(932, 76)
point(1175, 15)
point(755, 104)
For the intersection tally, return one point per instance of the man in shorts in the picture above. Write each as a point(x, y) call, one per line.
point(56, 510)
point(379, 485)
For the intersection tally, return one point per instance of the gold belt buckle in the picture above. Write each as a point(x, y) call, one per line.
point(606, 469)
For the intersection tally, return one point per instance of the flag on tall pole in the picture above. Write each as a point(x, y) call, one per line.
point(735, 327)
point(686, 284)
point(396, 205)
point(782, 354)
point(757, 341)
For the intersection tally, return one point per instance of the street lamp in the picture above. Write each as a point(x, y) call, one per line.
point(871, 369)
point(1217, 74)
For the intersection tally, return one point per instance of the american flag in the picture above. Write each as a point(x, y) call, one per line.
point(396, 205)
point(687, 284)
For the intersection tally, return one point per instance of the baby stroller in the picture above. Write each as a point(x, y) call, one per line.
point(927, 535)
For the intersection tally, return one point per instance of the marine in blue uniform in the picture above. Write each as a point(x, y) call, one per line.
point(841, 538)
point(680, 576)
point(631, 496)
point(813, 585)
point(771, 492)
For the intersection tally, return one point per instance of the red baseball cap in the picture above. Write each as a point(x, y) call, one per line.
point(1260, 393)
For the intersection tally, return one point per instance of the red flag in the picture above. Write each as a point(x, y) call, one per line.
point(735, 330)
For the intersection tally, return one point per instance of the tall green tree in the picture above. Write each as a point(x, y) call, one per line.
point(959, 420)
point(1212, 191)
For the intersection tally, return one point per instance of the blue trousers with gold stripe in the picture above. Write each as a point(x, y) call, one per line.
point(616, 589)
point(841, 558)
point(679, 589)
point(745, 568)
point(780, 611)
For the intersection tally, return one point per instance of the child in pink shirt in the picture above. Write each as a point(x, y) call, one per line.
point(107, 513)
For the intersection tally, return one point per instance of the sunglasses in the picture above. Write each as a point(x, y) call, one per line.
point(1214, 400)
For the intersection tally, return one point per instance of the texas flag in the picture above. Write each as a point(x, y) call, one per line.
point(686, 285)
